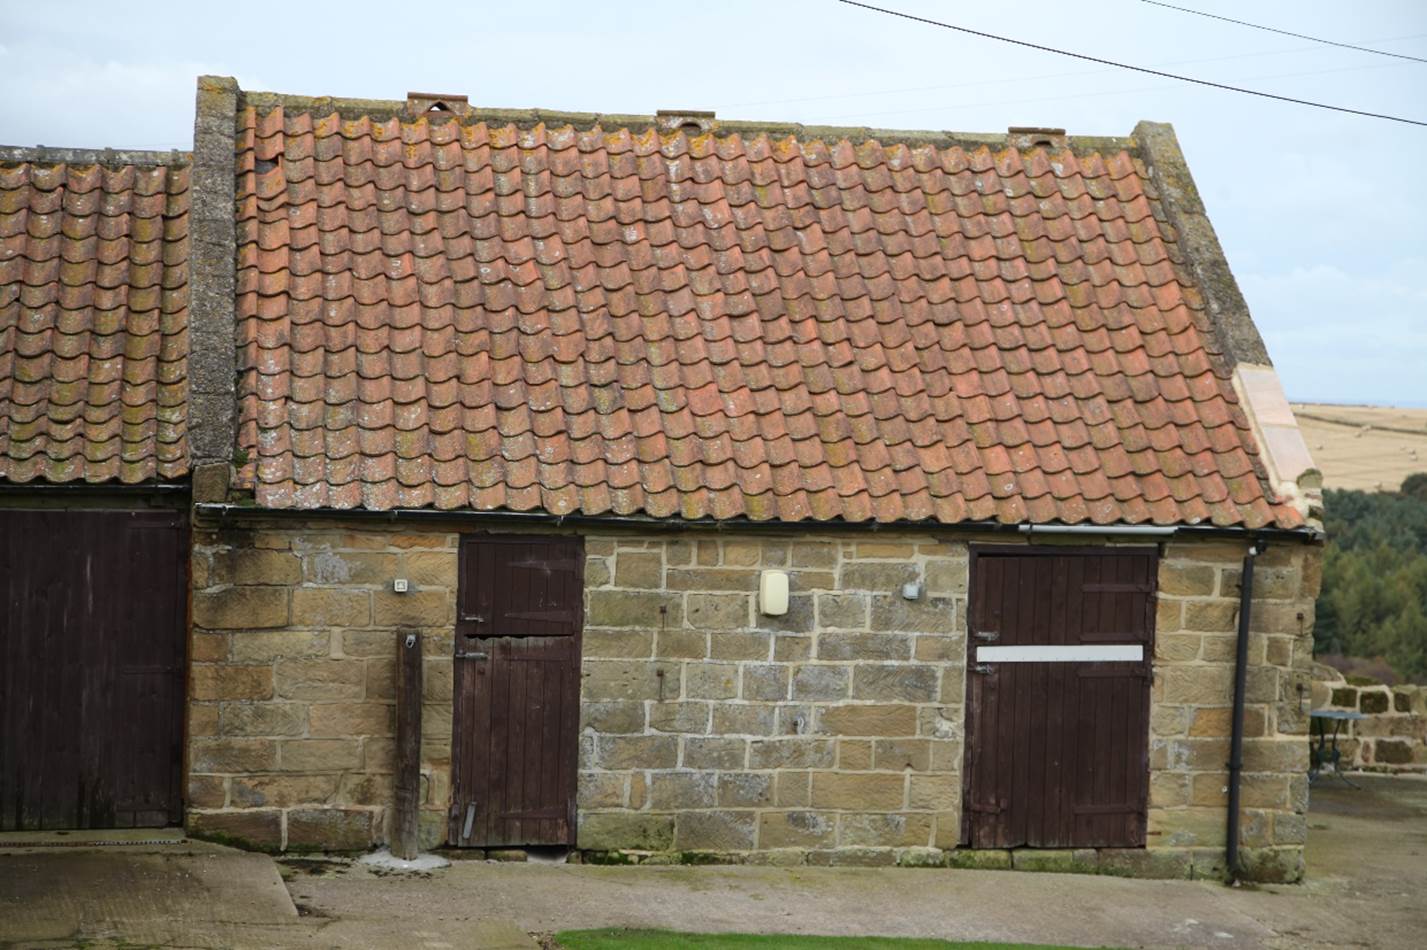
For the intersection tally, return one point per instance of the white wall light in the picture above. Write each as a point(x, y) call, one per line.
point(773, 593)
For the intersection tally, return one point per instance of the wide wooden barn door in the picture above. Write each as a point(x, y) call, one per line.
point(517, 691)
point(92, 668)
point(1058, 713)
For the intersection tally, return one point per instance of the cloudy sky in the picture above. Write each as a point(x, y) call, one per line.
point(1323, 215)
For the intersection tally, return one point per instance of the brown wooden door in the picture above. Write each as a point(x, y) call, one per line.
point(1058, 675)
point(517, 695)
point(92, 668)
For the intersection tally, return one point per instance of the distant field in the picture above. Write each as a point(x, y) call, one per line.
point(1370, 448)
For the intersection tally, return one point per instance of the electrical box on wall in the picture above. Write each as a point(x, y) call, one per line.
point(773, 593)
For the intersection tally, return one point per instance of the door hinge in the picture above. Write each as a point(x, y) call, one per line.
point(985, 669)
point(470, 820)
point(987, 635)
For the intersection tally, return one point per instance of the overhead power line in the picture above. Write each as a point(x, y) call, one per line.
point(1138, 69)
point(1271, 29)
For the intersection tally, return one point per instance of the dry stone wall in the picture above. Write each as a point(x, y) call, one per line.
point(832, 734)
point(1393, 736)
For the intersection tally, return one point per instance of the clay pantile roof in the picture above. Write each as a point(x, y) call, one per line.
point(93, 316)
point(485, 313)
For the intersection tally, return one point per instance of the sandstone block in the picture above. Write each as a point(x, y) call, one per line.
point(814, 554)
point(612, 717)
point(884, 830)
point(262, 719)
point(689, 718)
point(230, 681)
point(898, 754)
point(331, 607)
point(676, 791)
point(745, 790)
point(681, 643)
point(329, 829)
point(639, 569)
point(626, 680)
point(322, 565)
point(980, 859)
point(283, 791)
point(715, 830)
point(1178, 647)
point(257, 830)
point(617, 642)
point(207, 791)
point(380, 679)
point(232, 755)
point(208, 648)
point(744, 720)
point(821, 683)
point(854, 755)
point(928, 615)
point(864, 646)
point(431, 569)
point(938, 793)
point(939, 648)
point(877, 576)
point(740, 645)
point(1212, 616)
point(352, 719)
point(625, 608)
point(858, 791)
point(714, 753)
point(420, 608)
point(320, 755)
point(1187, 579)
point(946, 576)
point(614, 831)
point(766, 682)
point(601, 790)
point(240, 608)
point(797, 829)
point(1198, 685)
point(853, 858)
point(711, 579)
point(841, 611)
point(711, 680)
point(637, 752)
point(868, 720)
point(265, 646)
point(248, 565)
point(791, 649)
point(791, 753)
point(742, 553)
point(318, 679)
point(719, 611)
point(894, 682)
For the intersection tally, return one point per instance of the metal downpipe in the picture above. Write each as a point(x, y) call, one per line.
point(1236, 740)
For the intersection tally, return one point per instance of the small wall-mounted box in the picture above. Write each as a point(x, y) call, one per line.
point(773, 593)
point(399, 585)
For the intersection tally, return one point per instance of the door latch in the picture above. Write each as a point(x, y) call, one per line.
point(475, 655)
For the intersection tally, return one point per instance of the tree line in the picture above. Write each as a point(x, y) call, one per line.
point(1374, 597)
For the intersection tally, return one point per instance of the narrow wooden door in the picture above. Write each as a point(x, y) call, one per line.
point(92, 635)
point(1058, 677)
point(517, 691)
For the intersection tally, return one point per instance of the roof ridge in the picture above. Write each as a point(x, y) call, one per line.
point(93, 156)
point(353, 108)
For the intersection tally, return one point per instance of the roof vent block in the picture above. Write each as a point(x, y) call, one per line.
point(688, 121)
point(425, 103)
point(1029, 136)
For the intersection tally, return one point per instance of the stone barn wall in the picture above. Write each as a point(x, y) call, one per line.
point(830, 735)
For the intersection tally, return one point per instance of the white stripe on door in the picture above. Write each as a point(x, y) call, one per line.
point(1093, 653)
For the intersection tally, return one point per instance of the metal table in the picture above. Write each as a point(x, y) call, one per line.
point(1323, 745)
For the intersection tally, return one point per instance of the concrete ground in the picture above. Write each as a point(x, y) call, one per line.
point(1367, 887)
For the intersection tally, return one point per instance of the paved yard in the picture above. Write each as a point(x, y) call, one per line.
point(1367, 856)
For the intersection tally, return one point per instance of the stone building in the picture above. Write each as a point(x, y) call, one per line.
point(752, 492)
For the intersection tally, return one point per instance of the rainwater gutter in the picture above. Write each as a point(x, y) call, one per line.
point(1236, 738)
point(226, 511)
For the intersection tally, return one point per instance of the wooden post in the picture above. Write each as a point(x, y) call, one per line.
point(405, 836)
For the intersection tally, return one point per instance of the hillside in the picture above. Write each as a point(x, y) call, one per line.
point(1367, 448)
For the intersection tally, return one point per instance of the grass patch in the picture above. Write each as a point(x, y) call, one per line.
point(614, 938)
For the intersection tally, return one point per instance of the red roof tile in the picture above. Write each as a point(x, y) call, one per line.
point(470, 314)
point(93, 319)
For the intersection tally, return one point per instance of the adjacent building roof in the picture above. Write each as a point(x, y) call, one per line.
point(93, 316)
point(683, 319)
